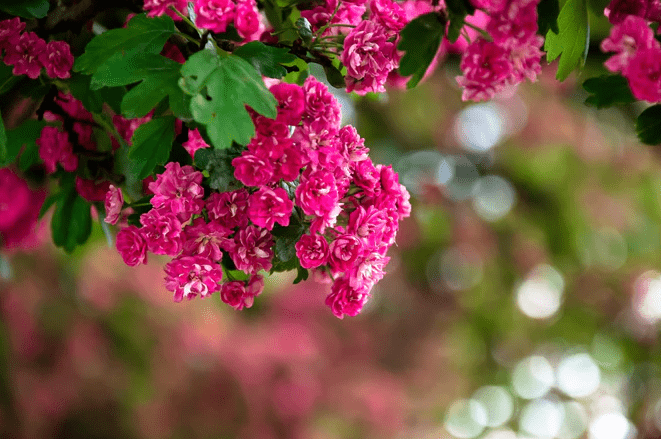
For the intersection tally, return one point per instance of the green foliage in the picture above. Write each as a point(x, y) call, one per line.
point(152, 143)
point(547, 16)
point(7, 78)
point(267, 60)
point(159, 78)
point(221, 86)
point(25, 8)
point(142, 35)
point(457, 11)
point(218, 164)
point(421, 39)
point(572, 40)
point(93, 100)
point(648, 125)
point(71, 224)
point(608, 90)
point(25, 134)
point(285, 240)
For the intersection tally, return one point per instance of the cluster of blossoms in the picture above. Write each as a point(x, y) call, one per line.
point(637, 52)
point(512, 53)
point(214, 15)
point(29, 54)
point(301, 166)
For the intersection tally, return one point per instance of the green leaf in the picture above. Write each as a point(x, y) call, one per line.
point(93, 100)
point(302, 274)
point(218, 163)
point(608, 90)
point(572, 40)
point(547, 16)
point(7, 78)
point(72, 222)
point(4, 147)
point(26, 8)
point(142, 35)
point(286, 239)
point(159, 76)
point(334, 76)
point(421, 39)
point(648, 125)
point(457, 11)
point(25, 134)
point(267, 60)
point(220, 89)
point(152, 143)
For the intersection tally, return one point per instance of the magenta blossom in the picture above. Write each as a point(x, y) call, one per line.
point(626, 39)
point(205, 239)
point(345, 299)
point(343, 252)
point(247, 20)
point(269, 206)
point(190, 276)
point(291, 102)
point(214, 15)
point(132, 246)
point(10, 30)
point(229, 208)
point(54, 148)
point(312, 251)
point(114, 203)
point(253, 249)
point(317, 192)
point(162, 231)
point(25, 54)
point(251, 170)
point(178, 190)
point(57, 59)
point(194, 142)
point(487, 68)
point(157, 8)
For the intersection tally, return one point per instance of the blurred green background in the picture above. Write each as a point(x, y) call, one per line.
point(522, 300)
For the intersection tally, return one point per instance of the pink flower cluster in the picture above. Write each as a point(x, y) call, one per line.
point(512, 55)
point(618, 10)
point(19, 210)
point(156, 8)
point(637, 57)
point(300, 165)
point(29, 54)
point(216, 15)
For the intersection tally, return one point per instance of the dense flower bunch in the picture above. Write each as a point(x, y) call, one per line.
point(637, 52)
point(509, 56)
point(301, 166)
point(29, 54)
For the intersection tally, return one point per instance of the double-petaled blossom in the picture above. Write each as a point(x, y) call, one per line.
point(132, 246)
point(194, 142)
point(191, 276)
point(54, 148)
point(157, 8)
point(312, 250)
point(114, 201)
point(178, 190)
point(345, 299)
point(229, 208)
point(205, 239)
point(253, 249)
point(214, 15)
point(269, 206)
point(57, 59)
point(25, 53)
point(163, 232)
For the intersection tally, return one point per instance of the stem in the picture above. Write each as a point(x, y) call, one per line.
point(183, 17)
point(326, 26)
point(481, 31)
point(189, 38)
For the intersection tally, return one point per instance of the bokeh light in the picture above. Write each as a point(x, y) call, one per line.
point(533, 377)
point(497, 402)
point(479, 127)
point(494, 197)
point(540, 295)
point(466, 419)
point(578, 375)
point(541, 418)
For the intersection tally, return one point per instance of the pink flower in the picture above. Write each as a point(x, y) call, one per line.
point(253, 249)
point(349, 13)
point(126, 127)
point(24, 53)
point(214, 15)
point(312, 251)
point(487, 68)
point(179, 191)
point(368, 271)
point(388, 14)
point(353, 146)
point(289, 163)
point(255, 285)
point(626, 39)
point(85, 133)
point(368, 225)
point(132, 246)
point(269, 206)
point(367, 177)
point(162, 231)
point(194, 142)
point(234, 294)
point(368, 57)
point(205, 239)
point(251, 170)
point(343, 252)
point(516, 23)
point(54, 148)
point(291, 102)
point(229, 208)
point(644, 74)
point(247, 20)
point(19, 210)
point(92, 190)
point(190, 276)
point(114, 204)
point(317, 192)
point(57, 59)
point(73, 107)
point(10, 30)
point(345, 299)
point(322, 111)
point(618, 10)
point(157, 8)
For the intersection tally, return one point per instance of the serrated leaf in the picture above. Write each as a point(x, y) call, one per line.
point(218, 163)
point(152, 143)
point(648, 125)
point(71, 224)
point(547, 16)
point(26, 8)
point(572, 40)
point(421, 39)
point(608, 90)
point(267, 60)
point(25, 134)
point(221, 87)
point(141, 35)
point(457, 11)
point(159, 78)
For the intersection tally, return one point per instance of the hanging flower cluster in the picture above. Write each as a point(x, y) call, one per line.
point(301, 166)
